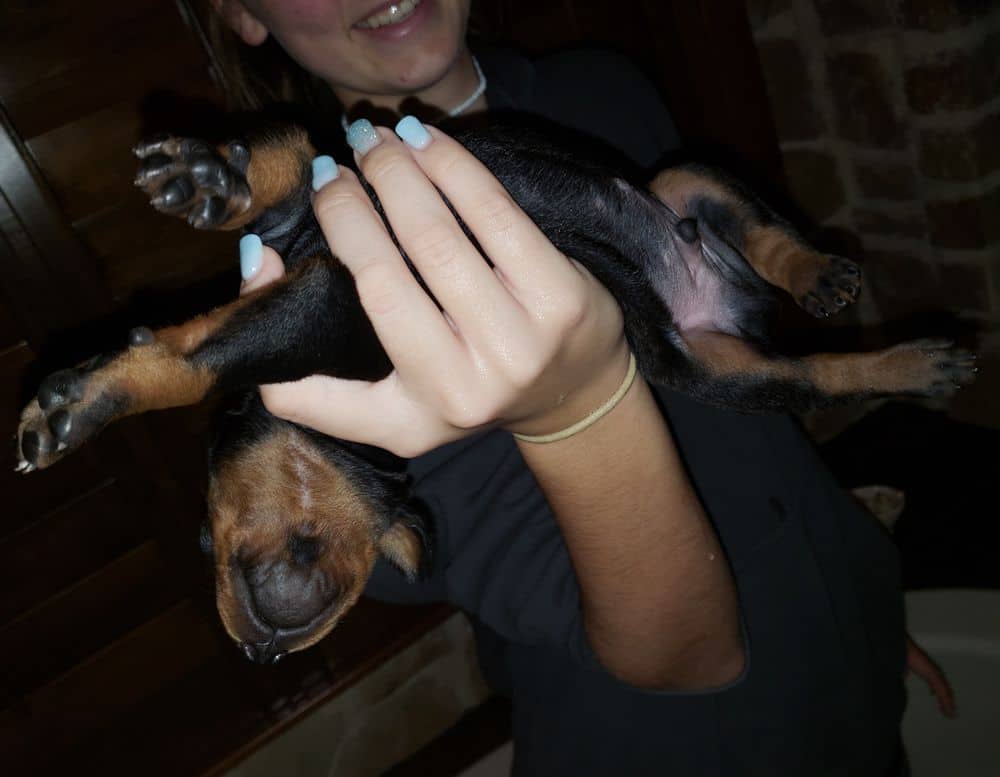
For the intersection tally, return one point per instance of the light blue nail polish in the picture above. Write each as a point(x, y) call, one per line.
point(324, 171)
point(362, 137)
point(251, 256)
point(413, 133)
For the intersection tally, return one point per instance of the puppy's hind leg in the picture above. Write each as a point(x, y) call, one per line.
point(821, 284)
point(728, 371)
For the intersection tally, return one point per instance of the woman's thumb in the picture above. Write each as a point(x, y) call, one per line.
point(259, 265)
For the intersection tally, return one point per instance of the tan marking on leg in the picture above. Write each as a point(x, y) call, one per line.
point(725, 355)
point(161, 369)
point(275, 172)
point(153, 377)
point(908, 368)
point(783, 261)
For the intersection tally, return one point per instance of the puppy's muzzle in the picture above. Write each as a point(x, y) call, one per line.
point(280, 603)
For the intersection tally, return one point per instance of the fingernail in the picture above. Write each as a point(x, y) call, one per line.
point(362, 137)
point(324, 171)
point(413, 133)
point(251, 256)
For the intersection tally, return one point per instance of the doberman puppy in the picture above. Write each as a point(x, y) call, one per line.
point(298, 519)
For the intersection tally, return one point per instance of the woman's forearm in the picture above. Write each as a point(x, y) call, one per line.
point(659, 602)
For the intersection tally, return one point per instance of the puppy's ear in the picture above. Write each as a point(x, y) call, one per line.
point(407, 545)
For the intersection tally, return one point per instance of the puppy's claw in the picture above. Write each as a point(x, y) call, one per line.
point(935, 366)
point(835, 286)
point(152, 145)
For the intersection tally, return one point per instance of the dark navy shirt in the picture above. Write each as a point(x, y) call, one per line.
point(818, 580)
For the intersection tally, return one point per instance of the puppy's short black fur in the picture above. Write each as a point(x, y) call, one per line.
point(298, 519)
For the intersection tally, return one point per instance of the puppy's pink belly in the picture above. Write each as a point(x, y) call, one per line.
point(698, 303)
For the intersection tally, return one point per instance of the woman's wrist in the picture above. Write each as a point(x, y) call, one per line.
point(580, 405)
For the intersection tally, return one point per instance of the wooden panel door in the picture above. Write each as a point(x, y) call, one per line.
point(111, 653)
point(102, 600)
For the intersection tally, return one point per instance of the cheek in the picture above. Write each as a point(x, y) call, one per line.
point(298, 22)
point(301, 13)
point(322, 46)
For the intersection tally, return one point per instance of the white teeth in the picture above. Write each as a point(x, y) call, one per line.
point(392, 15)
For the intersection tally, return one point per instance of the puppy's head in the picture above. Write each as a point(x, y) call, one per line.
point(293, 542)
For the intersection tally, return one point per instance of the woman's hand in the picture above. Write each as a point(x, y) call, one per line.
point(532, 344)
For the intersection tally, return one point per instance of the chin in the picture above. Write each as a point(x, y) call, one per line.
point(426, 71)
point(423, 65)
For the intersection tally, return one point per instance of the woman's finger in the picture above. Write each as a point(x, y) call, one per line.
point(371, 413)
point(450, 265)
point(407, 322)
point(512, 240)
point(259, 264)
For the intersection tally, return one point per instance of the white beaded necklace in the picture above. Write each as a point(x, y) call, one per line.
point(459, 109)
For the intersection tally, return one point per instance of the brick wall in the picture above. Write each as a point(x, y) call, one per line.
point(889, 117)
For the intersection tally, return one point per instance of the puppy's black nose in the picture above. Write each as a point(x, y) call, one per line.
point(262, 654)
point(287, 595)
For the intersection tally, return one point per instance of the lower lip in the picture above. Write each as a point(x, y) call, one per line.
point(400, 29)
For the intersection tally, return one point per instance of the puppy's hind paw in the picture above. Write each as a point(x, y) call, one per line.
point(836, 285)
point(933, 367)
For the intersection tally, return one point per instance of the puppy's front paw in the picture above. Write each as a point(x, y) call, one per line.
point(835, 284)
point(193, 180)
point(71, 407)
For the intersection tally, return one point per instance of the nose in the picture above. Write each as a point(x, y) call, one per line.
point(264, 653)
point(285, 595)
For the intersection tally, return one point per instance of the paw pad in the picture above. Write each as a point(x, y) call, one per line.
point(191, 179)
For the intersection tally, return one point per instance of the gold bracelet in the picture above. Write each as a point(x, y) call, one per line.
point(591, 419)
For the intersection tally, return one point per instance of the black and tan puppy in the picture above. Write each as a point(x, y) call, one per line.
point(298, 519)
